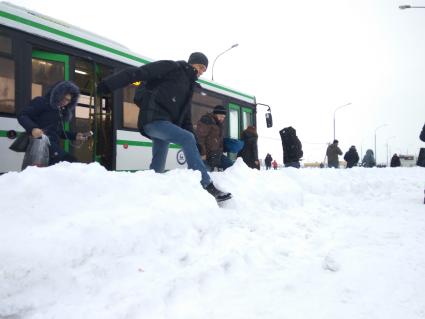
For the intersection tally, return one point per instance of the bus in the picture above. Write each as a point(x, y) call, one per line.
point(37, 51)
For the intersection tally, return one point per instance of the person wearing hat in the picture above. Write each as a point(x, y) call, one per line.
point(164, 99)
point(210, 133)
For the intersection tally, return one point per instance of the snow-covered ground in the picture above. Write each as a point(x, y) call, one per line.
point(77, 241)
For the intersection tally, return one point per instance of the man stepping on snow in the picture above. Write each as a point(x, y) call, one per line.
point(164, 98)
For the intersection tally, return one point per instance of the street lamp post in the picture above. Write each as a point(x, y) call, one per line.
point(376, 155)
point(233, 46)
point(388, 148)
point(339, 107)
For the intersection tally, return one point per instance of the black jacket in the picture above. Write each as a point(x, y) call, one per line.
point(165, 93)
point(249, 152)
point(422, 136)
point(43, 112)
point(351, 157)
point(395, 161)
point(268, 160)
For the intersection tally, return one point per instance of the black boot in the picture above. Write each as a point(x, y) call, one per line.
point(218, 195)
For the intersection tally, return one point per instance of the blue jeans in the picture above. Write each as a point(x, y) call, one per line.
point(162, 134)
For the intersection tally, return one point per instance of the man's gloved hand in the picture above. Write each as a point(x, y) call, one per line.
point(102, 89)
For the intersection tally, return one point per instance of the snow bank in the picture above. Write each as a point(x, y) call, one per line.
point(77, 241)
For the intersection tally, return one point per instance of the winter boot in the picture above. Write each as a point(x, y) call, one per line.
point(218, 195)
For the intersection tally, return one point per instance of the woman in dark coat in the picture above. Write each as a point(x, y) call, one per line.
point(351, 157)
point(45, 115)
point(249, 152)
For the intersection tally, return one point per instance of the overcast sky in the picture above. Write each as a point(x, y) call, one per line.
point(304, 58)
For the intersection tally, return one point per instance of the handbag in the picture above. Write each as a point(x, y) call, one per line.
point(21, 143)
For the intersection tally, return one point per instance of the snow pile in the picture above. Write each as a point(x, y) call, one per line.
point(77, 241)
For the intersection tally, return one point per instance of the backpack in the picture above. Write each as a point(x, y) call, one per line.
point(292, 148)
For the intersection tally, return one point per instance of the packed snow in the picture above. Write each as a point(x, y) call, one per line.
point(77, 241)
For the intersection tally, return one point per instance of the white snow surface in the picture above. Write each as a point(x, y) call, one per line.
point(77, 241)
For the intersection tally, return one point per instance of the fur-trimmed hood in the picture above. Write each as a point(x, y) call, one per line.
point(56, 94)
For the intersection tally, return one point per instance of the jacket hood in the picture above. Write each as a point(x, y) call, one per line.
point(58, 91)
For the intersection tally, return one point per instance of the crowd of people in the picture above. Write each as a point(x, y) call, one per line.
point(165, 100)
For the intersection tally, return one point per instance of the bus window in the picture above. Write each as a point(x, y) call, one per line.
point(130, 110)
point(202, 103)
point(7, 85)
point(5, 44)
point(247, 119)
point(45, 74)
point(234, 131)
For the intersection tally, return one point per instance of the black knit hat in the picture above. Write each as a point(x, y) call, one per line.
point(198, 58)
point(219, 109)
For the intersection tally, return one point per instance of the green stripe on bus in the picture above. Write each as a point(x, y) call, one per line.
point(102, 47)
point(226, 89)
point(3, 133)
point(144, 144)
point(69, 36)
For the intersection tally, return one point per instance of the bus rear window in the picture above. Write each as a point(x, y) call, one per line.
point(7, 85)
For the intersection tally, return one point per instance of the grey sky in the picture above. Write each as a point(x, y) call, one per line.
point(303, 58)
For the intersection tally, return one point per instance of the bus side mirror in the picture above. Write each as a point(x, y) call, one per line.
point(269, 119)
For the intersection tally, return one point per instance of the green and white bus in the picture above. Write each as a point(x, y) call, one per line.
point(36, 51)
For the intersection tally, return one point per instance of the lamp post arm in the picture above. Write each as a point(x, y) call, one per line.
point(233, 46)
point(410, 7)
point(339, 107)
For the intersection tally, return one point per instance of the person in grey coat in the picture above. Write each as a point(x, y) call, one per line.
point(369, 159)
point(332, 153)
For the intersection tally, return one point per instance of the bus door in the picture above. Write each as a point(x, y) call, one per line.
point(93, 114)
point(234, 130)
point(239, 119)
point(47, 68)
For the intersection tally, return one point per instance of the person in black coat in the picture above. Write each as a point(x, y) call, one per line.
point(47, 115)
point(422, 136)
point(292, 147)
point(395, 161)
point(164, 99)
point(351, 157)
point(249, 152)
point(268, 161)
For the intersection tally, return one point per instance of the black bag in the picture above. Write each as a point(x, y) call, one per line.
point(421, 158)
point(292, 148)
point(21, 143)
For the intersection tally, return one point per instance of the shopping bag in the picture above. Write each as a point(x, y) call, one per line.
point(37, 153)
